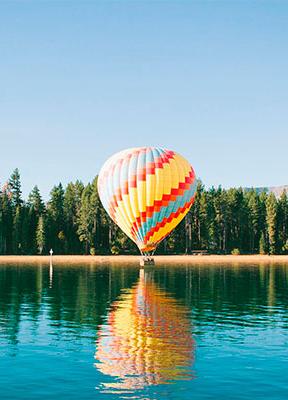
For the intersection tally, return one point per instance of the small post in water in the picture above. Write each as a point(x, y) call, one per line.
point(51, 269)
point(51, 254)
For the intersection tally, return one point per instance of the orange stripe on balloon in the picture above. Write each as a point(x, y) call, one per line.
point(149, 168)
point(166, 198)
point(165, 221)
point(117, 196)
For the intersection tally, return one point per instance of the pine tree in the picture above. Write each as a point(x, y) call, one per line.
point(28, 233)
point(262, 244)
point(196, 220)
point(35, 201)
point(17, 231)
point(271, 219)
point(55, 220)
point(35, 209)
point(71, 207)
point(212, 225)
point(254, 220)
point(40, 235)
point(237, 220)
point(204, 220)
point(262, 213)
point(85, 219)
point(222, 218)
point(188, 233)
point(7, 221)
point(282, 223)
point(96, 215)
point(15, 188)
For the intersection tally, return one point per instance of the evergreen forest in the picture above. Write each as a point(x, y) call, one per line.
point(73, 221)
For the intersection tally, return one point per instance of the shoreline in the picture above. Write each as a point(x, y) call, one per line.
point(134, 259)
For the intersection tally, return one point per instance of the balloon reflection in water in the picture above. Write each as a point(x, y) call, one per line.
point(147, 339)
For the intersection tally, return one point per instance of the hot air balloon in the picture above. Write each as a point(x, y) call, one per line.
point(147, 191)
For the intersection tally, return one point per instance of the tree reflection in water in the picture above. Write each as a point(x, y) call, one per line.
point(147, 339)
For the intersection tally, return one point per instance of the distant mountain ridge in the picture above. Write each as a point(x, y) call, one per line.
point(277, 190)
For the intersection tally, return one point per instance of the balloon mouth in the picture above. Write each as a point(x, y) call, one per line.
point(147, 248)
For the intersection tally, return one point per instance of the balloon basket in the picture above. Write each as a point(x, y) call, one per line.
point(146, 260)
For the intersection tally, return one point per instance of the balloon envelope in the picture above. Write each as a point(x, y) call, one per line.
point(147, 191)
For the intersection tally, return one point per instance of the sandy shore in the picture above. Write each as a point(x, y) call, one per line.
point(169, 259)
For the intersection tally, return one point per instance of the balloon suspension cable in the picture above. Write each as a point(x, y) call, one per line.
point(147, 258)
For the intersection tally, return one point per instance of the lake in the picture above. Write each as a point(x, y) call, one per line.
point(169, 332)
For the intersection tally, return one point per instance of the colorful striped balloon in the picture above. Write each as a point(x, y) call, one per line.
point(147, 191)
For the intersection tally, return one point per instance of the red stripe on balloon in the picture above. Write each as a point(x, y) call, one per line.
point(132, 182)
point(166, 198)
point(165, 221)
point(118, 164)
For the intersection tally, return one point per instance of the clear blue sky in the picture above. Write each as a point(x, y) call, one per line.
point(81, 80)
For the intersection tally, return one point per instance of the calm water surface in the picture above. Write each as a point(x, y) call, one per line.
point(185, 332)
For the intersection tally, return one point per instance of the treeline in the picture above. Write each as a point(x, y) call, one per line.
point(73, 221)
